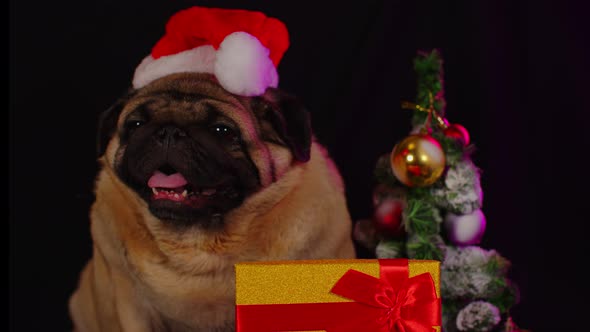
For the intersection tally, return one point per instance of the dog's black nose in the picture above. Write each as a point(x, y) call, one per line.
point(168, 135)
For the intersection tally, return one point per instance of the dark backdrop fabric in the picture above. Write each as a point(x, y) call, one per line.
point(516, 76)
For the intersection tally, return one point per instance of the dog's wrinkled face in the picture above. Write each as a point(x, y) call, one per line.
point(193, 151)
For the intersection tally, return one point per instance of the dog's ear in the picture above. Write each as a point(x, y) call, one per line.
point(291, 121)
point(107, 122)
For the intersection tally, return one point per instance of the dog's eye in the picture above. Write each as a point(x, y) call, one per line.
point(224, 132)
point(134, 124)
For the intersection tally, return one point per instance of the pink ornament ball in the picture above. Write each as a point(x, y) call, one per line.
point(467, 229)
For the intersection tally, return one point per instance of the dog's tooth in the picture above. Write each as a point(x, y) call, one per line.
point(185, 193)
point(155, 191)
point(176, 195)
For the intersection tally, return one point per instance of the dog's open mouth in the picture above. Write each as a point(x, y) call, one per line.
point(168, 185)
point(183, 195)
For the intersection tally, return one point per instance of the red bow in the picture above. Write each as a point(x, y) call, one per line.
point(392, 303)
point(398, 303)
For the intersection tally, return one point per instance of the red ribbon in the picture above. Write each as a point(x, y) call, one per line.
point(394, 302)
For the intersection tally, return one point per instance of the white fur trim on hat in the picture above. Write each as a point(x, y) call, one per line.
point(199, 59)
point(241, 65)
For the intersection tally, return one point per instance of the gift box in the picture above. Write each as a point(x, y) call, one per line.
point(361, 295)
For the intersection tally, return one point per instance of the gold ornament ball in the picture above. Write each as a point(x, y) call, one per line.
point(418, 160)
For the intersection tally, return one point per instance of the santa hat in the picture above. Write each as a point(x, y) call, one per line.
point(240, 48)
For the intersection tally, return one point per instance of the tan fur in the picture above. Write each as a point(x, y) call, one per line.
point(146, 276)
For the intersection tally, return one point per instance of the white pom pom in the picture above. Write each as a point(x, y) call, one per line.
point(242, 65)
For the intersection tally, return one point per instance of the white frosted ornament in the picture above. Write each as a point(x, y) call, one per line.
point(466, 229)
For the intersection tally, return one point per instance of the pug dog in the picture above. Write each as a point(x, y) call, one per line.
point(194, 179)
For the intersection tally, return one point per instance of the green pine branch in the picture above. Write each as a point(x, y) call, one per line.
point(426, 247)
point(429, 78)
point(421, 217)
point(507, 298)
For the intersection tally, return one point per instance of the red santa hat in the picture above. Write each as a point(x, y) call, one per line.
point(241, 48)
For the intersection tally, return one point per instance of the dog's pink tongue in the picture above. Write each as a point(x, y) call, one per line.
point(161, 180)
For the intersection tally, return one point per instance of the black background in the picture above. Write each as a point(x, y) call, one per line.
point(516, 76)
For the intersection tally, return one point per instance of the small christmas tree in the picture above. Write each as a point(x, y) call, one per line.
point(428, 204)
